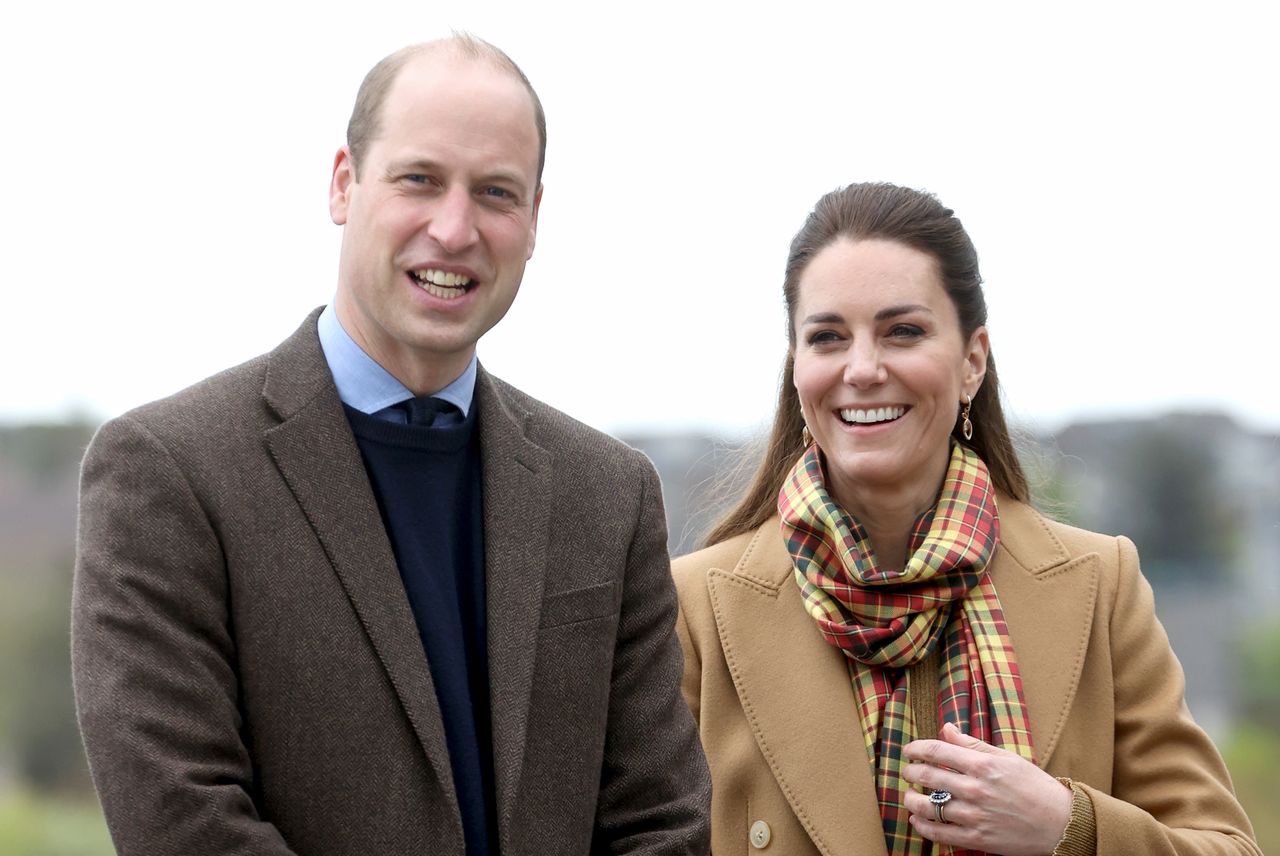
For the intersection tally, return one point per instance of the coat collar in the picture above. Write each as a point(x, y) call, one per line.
point(776, 657)
point(313, 447)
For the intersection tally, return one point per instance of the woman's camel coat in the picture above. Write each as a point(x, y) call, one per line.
point(1104, 692)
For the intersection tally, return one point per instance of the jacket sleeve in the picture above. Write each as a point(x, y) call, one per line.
point(1171, 793)
point(655, 789)
point(153, 661)
point(691, 683)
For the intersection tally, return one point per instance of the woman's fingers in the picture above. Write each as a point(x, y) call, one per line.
point(953, 749)
point(935, 778)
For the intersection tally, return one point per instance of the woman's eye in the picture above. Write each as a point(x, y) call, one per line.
point(823, 337)
point(905, 331)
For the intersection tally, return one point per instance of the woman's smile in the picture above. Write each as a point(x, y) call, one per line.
point(867, 416)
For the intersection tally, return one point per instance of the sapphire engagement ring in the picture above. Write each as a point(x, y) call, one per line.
point(940, 799)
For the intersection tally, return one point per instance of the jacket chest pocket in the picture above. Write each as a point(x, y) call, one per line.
point(579, 605)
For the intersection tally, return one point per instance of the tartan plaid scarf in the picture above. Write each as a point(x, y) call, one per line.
point(884, 621)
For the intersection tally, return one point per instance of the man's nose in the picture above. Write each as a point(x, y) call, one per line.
point(863, 366)
point(453, 221)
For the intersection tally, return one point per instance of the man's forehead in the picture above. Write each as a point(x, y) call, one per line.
point(464, 99)
point(446, 65)
point(436, 77)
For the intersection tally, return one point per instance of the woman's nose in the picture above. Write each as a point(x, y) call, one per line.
point(863, 367)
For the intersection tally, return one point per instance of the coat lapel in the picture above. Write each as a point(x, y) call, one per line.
point(517, 488)
point(315, 452)
point(797, 694)
point(1048, 602)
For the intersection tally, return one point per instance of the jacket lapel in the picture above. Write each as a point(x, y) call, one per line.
point(1048, 602)
point(317, 455)
point(517, 488)
point(797, 694)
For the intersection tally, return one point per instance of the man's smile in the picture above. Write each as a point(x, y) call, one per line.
point(443, 284)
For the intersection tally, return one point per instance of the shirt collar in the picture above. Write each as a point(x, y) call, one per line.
point(365, 385)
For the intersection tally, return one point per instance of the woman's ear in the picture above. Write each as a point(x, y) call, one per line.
point(975, 361)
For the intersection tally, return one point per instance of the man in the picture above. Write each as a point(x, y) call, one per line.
point(319, 609)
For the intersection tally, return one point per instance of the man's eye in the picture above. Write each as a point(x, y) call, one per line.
point(498, 193)
point(419, 179)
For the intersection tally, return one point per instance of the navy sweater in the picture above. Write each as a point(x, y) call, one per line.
point(428, 485)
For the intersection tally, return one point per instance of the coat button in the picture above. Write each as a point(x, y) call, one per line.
point(760, 835)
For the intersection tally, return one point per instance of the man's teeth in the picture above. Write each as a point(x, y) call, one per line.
point(440, 277)
point(864, 417)
point(442, 283)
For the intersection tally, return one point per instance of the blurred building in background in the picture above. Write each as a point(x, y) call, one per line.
point(1198, 493)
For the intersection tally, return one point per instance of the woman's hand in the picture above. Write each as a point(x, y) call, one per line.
point(1000, 802)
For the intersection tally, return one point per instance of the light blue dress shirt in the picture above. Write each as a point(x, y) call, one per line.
point(369, 388)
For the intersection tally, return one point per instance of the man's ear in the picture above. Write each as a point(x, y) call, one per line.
point(340, 185)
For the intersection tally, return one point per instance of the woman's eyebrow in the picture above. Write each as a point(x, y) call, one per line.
point(905, 309)
point(887, 312)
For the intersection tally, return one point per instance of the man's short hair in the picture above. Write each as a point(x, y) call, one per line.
point(366, 117)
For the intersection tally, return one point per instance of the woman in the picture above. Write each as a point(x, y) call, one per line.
point(884, 576)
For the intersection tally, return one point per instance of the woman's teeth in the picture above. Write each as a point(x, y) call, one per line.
point(867, 417)
point(442, 283)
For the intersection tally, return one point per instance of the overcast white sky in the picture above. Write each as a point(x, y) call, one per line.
point(1115, 163)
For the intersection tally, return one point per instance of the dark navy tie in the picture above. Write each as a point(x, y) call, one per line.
point(425, 410)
